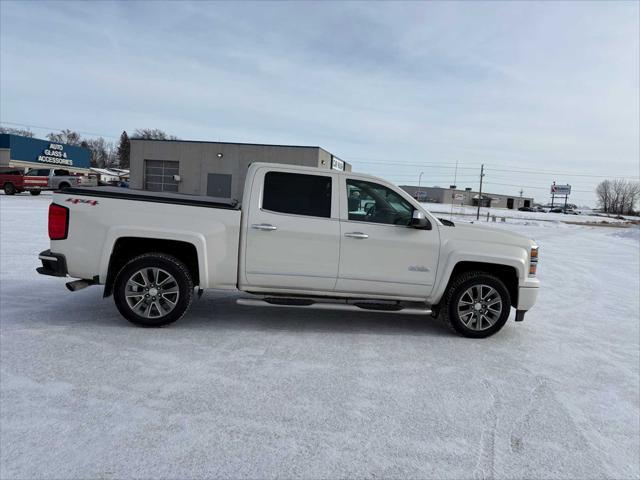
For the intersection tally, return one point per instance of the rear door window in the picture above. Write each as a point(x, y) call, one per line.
point(39, 172)
point(298, 194)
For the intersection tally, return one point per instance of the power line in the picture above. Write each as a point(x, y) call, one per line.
point(54, 129)
point(538, 172)
point(451, 166)
point(532, 187)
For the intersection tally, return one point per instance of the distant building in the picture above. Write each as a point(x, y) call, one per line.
point(216, 169)
point(466, 197)
point(111, 175)
point(27, 152)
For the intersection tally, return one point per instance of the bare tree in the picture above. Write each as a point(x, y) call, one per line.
point(152, 134)
point(17, 131)
point(103, 153)
point(65, 136)
point(603, 192)
point(618, 196)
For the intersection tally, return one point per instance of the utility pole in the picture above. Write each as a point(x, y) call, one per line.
point(419, 191)
point(480, 192)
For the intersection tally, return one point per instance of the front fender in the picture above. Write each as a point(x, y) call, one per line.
point(457, 251)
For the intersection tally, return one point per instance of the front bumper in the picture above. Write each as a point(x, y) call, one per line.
point(527, 297)
point(53, 264)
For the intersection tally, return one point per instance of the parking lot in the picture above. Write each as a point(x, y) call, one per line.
point(242, 392)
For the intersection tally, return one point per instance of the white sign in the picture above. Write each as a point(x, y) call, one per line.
point(55, 154)
point(560, 189)
point(459, 196)
point(337, 164)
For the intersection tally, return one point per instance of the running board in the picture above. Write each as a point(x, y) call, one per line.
point(346, 307)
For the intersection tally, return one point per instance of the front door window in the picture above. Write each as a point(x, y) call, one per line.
point(375, 203)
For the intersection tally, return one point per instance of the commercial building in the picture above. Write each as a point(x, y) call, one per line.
point(26, 152)
point(466, 197)
point(216, 169)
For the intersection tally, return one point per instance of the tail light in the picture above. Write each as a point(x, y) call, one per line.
point(58, 222)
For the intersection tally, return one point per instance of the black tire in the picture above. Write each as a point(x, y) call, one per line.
point(169, 264)
point(34, 192)
point(9, 188)
point(63, 186)
point(449, 309)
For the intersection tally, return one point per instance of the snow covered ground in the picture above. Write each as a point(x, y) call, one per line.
point(240, 392)
point(458, 211)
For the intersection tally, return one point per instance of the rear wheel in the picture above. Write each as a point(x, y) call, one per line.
point(34, 192)
point(153, 290)
point(476, 305)
point(9, 189)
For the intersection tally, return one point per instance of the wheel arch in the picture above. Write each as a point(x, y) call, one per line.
point(127, 248)
point(506, 273)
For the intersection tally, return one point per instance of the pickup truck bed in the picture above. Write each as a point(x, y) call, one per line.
point(157, 197)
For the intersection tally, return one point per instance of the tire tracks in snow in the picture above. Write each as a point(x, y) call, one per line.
point(485, 466)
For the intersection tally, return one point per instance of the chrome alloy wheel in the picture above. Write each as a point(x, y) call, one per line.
point(479, 307)
point(152, 292)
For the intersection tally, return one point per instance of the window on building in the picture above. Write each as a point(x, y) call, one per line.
point(371, 202)
point(159, 175)
point(297, 194)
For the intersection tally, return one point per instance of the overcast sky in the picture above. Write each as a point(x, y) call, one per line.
point(394, 88)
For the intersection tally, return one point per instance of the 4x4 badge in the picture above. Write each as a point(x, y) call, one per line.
point(75, 201)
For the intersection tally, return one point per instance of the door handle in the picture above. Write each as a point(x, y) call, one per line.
point(264, 226)
point(358, 235)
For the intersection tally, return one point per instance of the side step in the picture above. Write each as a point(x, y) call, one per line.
point(307, 303)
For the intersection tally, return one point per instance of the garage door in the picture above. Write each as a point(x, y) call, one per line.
point(158, 175)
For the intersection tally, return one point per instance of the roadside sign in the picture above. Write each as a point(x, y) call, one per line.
point(336, 163)
point(560, 189)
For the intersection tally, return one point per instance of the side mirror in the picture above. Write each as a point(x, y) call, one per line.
point(418, 220)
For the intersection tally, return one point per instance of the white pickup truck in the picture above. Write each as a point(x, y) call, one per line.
point(302, 237)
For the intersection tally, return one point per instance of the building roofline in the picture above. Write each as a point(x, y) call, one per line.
point(133, 139)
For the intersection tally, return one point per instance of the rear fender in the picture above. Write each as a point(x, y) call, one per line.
point(194, 238)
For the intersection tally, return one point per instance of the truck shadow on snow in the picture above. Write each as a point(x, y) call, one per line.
point(219, 311)
point(214, 310)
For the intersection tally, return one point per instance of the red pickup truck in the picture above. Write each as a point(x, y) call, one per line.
point(13, 180)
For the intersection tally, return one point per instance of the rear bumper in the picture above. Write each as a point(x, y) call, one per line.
point(53, 264)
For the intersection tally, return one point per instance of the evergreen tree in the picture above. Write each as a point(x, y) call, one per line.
point(124, 149)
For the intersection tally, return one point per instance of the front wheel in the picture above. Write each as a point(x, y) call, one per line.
point(153, 290)
point(476, 305)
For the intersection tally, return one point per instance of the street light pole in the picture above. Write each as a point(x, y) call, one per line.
point(419, 180)
point(480, 192)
